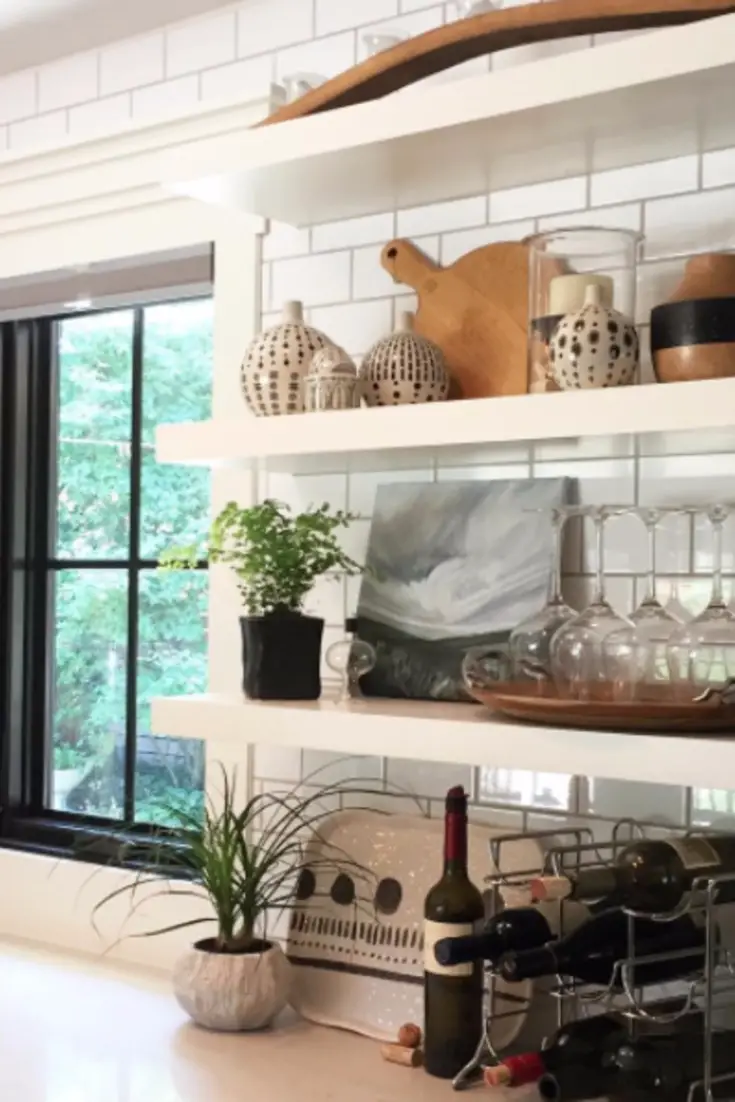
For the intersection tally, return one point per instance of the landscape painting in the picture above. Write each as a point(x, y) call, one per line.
point(451, 565)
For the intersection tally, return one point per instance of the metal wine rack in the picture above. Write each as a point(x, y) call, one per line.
point(707, 992)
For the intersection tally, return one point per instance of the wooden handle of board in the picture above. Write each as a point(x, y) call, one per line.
point(407, 264)
point(501, 29)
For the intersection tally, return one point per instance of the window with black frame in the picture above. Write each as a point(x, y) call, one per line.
point(92, 629)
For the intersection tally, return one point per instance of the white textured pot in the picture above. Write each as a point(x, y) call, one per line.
point(232, 992)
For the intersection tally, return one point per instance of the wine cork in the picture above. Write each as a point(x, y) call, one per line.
point(397, 1054)
point(497, 1077)
point(545, 888)
point(567, 292)
point(409, 1036)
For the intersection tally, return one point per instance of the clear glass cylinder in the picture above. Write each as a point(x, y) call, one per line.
point(572, 270)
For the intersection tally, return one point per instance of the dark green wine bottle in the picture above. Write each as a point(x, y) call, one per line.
point(452, 994)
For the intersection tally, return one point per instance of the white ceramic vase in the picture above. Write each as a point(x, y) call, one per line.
point(403, 369)
point(594, 347)
point(276, 363)
point(232, 992)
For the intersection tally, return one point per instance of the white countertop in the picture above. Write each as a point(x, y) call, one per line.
point(78, 1030)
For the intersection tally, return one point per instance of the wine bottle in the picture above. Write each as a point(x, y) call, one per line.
point(650, 876)
point(575, 1044)
point(511, 929)
point(452, 993)
point(591, 951)
point(653, 1066)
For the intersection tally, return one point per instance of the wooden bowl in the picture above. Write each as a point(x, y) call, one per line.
point(693, 339)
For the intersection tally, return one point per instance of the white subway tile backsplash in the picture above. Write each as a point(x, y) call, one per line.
point(354, 540)
point(458, 214)
point(620, 185)
point(424, 778)
point(354, 326)
point(700, 223)
point(327, 600)
point(43, 130)
point(132, 64)
point(272, 24)
point(455, 245)
point(655, 803)
point(325, 56)
point(283, 241)
point(241, 80)
point(71, 80)
point(341, 15)
point(536, 199)
point(627, 216)
point(281, 763)
point(353, 231)
point(315, 280)
point(370, 279)
point(363, 486)
point(171, 97)
point(407, 26)
point(17, 96)
point(201, 44)
point(304, 490)
point(321, 767)
point(484, 472)
point(102, 116)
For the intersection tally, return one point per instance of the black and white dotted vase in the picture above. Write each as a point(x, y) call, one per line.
point(277, 362)
point(404, 369)
point(594, 347)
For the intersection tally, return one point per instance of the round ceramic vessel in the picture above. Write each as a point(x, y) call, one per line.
point(594, 347)
point(232, 992)
point(404, 369)
point(277, 362)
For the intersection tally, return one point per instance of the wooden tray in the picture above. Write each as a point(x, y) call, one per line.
point(476, 311)
point(517, 702)
point(463, 39)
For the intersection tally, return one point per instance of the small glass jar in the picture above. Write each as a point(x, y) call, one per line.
point(563, 265)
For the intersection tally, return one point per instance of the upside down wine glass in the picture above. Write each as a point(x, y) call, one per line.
point(636, 657)
point(701, 654)
point(530, 642)
point(577, 655)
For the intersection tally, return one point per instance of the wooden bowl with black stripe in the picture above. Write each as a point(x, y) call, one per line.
point(693, 334)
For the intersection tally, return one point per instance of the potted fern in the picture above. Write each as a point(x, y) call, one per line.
point(277, 557)
point(248, 864)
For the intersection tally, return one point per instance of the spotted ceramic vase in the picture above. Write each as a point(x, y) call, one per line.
point(403, 369)
point(594, 347)
point(232, 992)
point(277, 362)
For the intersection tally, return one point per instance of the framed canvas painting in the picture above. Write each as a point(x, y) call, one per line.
point(451, 565)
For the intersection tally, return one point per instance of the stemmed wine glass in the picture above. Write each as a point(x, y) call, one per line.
point(577, 656)
point(636, 657)
point(530, 642)
point(351, 658)
point(701, 654)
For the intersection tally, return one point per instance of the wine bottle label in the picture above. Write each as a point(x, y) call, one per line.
point(695, 853)
point(435, 931)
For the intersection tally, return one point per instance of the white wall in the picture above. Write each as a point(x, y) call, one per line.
point(683, 206)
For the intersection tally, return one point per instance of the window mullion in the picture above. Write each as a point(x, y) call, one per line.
point(136, 451)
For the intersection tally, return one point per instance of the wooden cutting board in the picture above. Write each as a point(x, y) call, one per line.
point(476, 310)
point(502, 29)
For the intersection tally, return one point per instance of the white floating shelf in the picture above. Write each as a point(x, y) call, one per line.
point(657, 95)
point(368, 439)
point(448, 733)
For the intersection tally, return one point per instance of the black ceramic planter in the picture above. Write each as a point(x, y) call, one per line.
point(281, 656)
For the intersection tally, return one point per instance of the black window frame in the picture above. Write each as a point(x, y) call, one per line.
point(29, 389)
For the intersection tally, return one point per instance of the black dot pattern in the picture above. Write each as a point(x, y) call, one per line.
point(404, 369)
point(388, 896)
point(275, 365)
point(595, 347)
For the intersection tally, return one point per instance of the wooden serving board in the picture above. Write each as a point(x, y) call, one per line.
point(502, 29)
point(476, 311)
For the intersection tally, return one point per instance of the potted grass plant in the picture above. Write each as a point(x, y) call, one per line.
point(248, 863)
point(276, 557)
